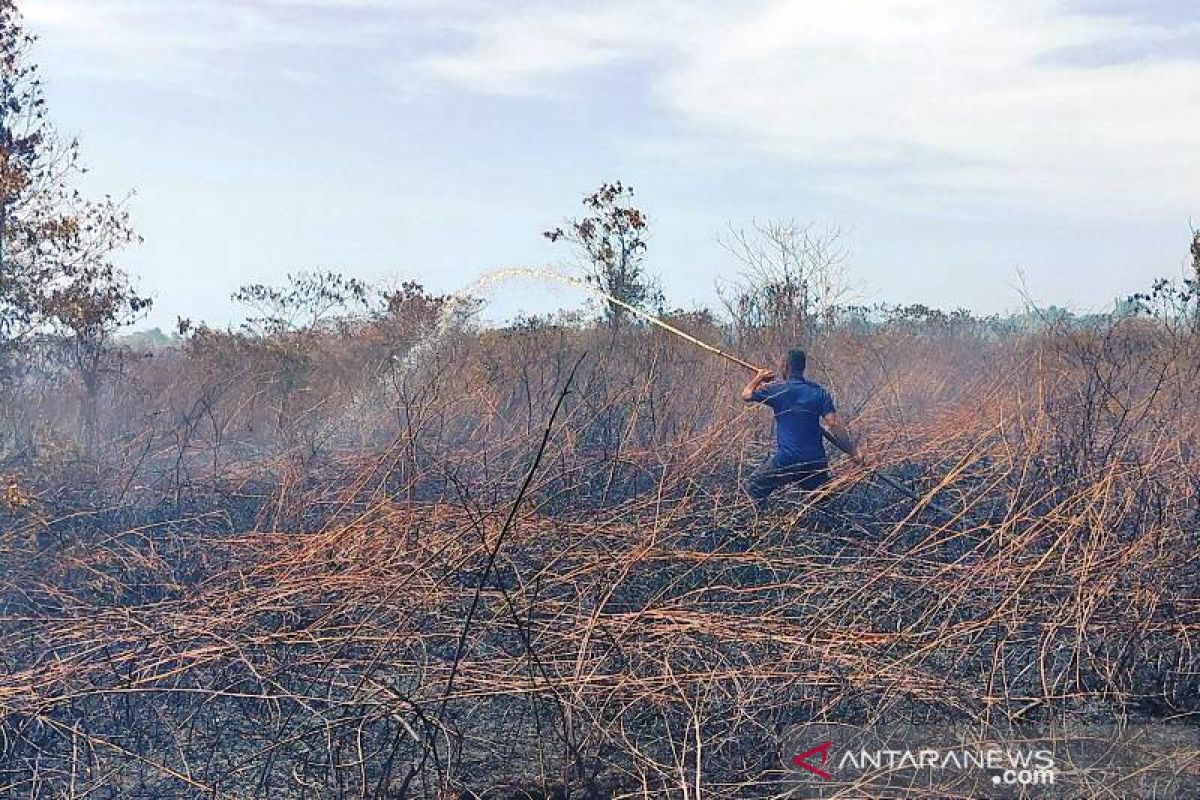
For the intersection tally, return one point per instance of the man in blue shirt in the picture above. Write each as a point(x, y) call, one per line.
point(800, 407)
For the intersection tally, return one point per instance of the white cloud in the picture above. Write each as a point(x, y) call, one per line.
point(982, 95)
point(517, 56)
point(528, 51)
point(1013, 98)
point(188, 43)
point(971, 86)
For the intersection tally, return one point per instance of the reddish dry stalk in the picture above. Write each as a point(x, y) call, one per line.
point(619, 640)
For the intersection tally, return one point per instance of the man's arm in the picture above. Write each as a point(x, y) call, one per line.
point(760, 377)
point(841, 437)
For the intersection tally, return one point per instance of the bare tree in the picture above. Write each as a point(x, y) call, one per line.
point(286, 327)
point(307, 301)
point(791, 276)
point(1195, 279)
point(1174, 301)
point(1196, 252)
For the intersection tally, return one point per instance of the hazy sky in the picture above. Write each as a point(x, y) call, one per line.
point(957, 142)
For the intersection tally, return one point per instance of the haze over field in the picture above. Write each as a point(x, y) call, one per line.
point(956, 142)
point(335, 539)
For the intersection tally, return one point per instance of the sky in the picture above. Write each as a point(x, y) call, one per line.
point(974, 153)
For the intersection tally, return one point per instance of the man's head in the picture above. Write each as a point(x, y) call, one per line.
point(794, 364)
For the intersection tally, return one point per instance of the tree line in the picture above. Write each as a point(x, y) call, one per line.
point(64, 298)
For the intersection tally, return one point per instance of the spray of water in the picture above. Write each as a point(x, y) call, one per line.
point(459, 307)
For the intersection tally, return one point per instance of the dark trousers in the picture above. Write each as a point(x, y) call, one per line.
point(767, 477)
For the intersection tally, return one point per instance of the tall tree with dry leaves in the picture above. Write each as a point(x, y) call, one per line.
point(612, 241)
point(58, 284)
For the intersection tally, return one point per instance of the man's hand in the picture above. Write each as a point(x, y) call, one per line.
point(838, 434)
point(760, 377)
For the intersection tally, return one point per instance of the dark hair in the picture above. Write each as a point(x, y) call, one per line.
point(796, 362)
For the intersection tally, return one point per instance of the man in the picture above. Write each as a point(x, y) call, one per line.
point(800, 407)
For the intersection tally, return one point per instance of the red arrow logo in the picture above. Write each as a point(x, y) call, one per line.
point(802, 760)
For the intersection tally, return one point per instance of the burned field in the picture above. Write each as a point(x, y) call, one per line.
point(352, 539)
point(527, 568)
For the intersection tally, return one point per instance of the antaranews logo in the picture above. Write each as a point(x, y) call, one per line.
point(828, 759)
point(801, 760)
point(1011, 765)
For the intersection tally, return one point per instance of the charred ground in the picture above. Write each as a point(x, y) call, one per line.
point(299, 567)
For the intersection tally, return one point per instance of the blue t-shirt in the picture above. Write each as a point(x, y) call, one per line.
point(798, 405)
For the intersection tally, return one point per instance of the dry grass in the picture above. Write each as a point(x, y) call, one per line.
point(412, 620)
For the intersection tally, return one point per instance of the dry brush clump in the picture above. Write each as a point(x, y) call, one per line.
point(528, 570)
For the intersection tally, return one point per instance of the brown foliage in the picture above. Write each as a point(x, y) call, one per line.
point(288, 627)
